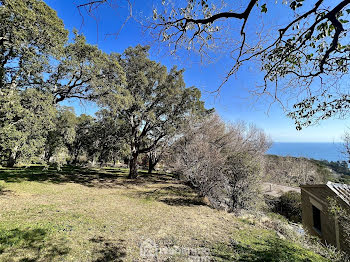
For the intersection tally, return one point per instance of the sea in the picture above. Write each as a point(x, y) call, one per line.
point(320, 151)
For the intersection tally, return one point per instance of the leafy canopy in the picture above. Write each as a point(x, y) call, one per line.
point(30, 32)
point(155, 102)
point(26, 117)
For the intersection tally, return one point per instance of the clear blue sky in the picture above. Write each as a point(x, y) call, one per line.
point(232, 103)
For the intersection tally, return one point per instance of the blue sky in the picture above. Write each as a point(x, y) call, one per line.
point(232, 103)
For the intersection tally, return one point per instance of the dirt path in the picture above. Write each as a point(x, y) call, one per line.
point(276, 190)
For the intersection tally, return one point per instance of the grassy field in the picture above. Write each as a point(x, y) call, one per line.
point(100, 215)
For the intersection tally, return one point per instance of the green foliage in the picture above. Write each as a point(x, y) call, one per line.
point(286, 206)
point(289, 205)
point(155, 102)
point(26, 117)
point(337, 172)
point(83, 71)
point(263, 245)
point(30, 33)
point(62, 136)
point(340, 167)
point(35, 53)
point(39, 69)
point(84, 135)
point(105, 141)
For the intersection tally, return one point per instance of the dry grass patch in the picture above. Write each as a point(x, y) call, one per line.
point(100, 215)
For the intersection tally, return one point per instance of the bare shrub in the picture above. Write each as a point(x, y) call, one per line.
point(221, 161)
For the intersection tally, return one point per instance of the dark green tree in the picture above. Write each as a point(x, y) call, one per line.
point(30, 33)
point(107, 139)
point(63, 135)
point(35, 53)
point(36, 58)
point(26, 117)
point(83, 71)
point(155, 103)
point(83, 137)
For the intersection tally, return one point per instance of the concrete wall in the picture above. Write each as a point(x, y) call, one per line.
point(318, 196)
point(331, 233)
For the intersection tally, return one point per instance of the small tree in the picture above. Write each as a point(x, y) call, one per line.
point(82, 141)
point(289, 205)
point(63, 135)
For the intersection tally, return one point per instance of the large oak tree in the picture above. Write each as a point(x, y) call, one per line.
point(155, 103)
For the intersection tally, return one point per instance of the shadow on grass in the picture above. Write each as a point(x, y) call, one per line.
point(107, 250)
point(179, 195)
point(29, 245)
point(267, 250)
point(4, 191)
point(108, 177)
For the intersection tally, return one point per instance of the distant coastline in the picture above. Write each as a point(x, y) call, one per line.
point(331, 151)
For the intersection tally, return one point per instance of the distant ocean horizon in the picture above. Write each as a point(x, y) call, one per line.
point(331, 151)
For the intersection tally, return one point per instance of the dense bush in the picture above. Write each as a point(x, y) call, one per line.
point(289, 205)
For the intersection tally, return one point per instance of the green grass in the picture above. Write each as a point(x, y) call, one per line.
point(266, 247)
point(81, 214)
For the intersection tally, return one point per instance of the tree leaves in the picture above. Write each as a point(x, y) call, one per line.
point(157, 102)
point(31, 32)
point(26, 117)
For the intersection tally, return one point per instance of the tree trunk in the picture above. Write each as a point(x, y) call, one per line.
point(12, 159)
point(133, 166)
point(151, 164)
point(75, 159)
point(48, 155)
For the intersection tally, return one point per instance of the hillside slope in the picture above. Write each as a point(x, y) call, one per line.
point(294, 171)
point(99, 215)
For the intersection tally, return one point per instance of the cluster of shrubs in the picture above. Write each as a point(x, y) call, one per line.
point(288, 205)
point(221, 161)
